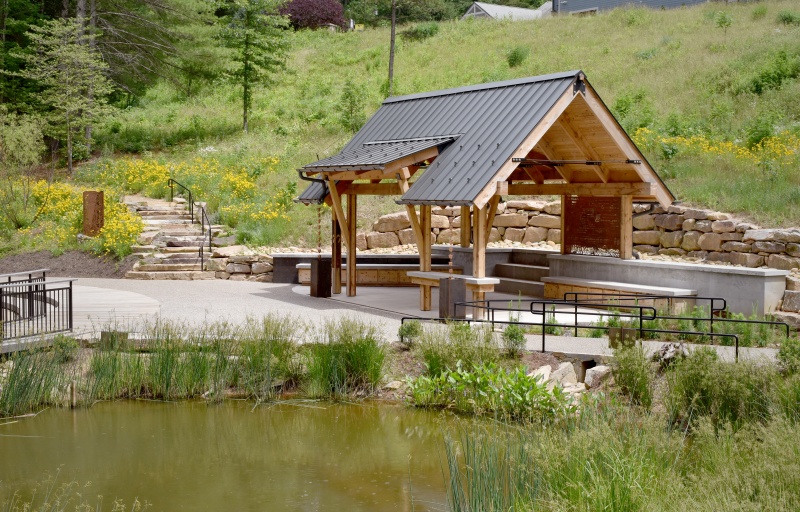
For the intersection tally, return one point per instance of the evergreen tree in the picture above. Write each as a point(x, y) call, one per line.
point(73, 77)
point(257, 36)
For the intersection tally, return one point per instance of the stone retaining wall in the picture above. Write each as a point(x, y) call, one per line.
point(239, 263)
point(677, 231)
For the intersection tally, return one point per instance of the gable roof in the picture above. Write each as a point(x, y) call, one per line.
point(500, 12)
point(480, 130)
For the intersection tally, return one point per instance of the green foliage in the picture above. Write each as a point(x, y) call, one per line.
point(351, 107)
point(772, 73)
point(410, 332)
point(513, 339)
point(421, 31)
point(65, 348)
point(789, 17)
point(349, 360)
point(726, 393)
point(517, 55)
point(634, 110)
point(442, 347)
point(789, 355)
point(723, 20)
point(486, 389)
point(69, 68)
point(256, 33)
point(21, 141)
point(31, 380)
point(633, 373)
point(759, 12)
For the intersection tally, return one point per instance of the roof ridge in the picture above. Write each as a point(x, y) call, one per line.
point(483, 87)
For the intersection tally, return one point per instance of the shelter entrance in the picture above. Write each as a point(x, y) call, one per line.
point(469, 147)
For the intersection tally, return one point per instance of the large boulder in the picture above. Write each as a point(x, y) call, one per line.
point(392, 222)
point(534, 235)
point(232, 250)
point(597, 375)
point(510, 220)
point(545, 221)
point(379, 240)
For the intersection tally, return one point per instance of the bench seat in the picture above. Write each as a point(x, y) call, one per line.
point(479, 284)
point(376, 274)
point(676, 300)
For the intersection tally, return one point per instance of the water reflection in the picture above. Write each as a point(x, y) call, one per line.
point(303, 456)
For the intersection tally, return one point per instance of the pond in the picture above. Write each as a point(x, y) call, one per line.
point(294, 456)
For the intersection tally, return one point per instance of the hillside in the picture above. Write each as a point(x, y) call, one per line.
point(697, 96)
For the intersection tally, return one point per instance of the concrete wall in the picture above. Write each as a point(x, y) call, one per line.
point(747, 290)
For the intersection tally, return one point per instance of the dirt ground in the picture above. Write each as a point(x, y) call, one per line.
point(69, 264)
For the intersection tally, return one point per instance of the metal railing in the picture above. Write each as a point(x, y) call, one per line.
point(633, 314)
point(205, 227)
point(34, 307)
point(29, 276)
point(171, 183)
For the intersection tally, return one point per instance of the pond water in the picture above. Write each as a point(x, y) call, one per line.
point(299, 456)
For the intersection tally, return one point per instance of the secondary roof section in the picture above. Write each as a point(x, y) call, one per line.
point(472, 141)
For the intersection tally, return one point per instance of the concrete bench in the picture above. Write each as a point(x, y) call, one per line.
point(675, 300)
point(376, 274)
point(477, 285)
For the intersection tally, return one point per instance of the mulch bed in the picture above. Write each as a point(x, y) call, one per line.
point(68, 264)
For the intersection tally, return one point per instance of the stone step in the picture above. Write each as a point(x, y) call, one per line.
point(173, 276)
point(175, 217)
point(165, 267)
point(166, 222)
point(519, 271)
point(137, 249)
point(520, 286)
point(193, 249)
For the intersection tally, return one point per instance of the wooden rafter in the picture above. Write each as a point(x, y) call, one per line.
point(336, 204)
point(640, 190)
point(491, 213)
point(564, 123)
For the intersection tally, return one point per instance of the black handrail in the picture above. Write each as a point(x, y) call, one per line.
point(34, 308)
point(204, 220)
point(171, 183)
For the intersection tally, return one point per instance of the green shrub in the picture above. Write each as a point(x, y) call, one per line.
point(727, 393)
point(517, 55)
point(421, 31)
point(31, 379)
point(759, 12)
point(787, 397)
point(633, 373)
point(634, 110)
point(409, 332)
point(513, 339)
point(65, 348)
point(487, 389)
point(789, 355)
point(789, 17)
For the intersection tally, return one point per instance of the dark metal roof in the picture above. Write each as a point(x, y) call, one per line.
point(492, 120)
point(375, 155)
point(315, 193)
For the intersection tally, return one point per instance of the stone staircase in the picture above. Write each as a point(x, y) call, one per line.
point(169, 246)
point(523, 274)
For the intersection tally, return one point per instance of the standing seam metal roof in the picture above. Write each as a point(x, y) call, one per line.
point(493, 120)
point(377, 154)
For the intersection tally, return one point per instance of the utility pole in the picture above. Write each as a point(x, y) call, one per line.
point(391, 52)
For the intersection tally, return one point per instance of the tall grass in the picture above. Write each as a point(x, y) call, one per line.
point(33, 379)
point(348, 359)
point(442, 346)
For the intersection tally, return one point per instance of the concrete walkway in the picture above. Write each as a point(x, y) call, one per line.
point(111, 304)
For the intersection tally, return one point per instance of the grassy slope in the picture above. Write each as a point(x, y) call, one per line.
point(678, 59)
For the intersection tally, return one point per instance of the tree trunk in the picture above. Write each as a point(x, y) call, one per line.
point(391, 52)
point(65, 9)
point(246, 82)
point(90, 92)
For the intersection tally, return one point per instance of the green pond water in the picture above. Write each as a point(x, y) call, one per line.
point(193, 456)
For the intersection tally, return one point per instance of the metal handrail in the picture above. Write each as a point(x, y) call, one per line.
point(204, 220)
point(171, 183)
point(34, 308)
point(29, 273)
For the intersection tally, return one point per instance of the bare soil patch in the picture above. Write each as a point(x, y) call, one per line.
point(68, 264)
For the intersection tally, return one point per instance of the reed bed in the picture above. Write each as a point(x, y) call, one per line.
point(256, 360)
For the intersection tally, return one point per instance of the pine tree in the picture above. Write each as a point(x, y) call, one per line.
point(257, 35)
point(73, 77)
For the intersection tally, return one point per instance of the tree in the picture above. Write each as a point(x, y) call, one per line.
point(314, 13)
point(73, 77)
point(256, 33)
point(21, 145)
point(723, 20)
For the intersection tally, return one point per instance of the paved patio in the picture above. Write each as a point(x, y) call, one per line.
point(102, 304)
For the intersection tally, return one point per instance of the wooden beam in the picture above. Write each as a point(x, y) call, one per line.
point(563, 223)
point(490, 215)
point(564, 122)
point(424, 246)
point(336, 204)
point(626, 228)
point(411, 212)
point(479, 243)
point(427, 154)
point(371, 189)
point(502, 188)
point(640, 190)
point(357, 175)
point(352, 215)
point(545, 147)
point(629, 149)
point(336, 254)
point(534, 174)
point(466, 226)
point(526, 146)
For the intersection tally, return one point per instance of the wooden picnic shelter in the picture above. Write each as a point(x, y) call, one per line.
point(468, 147)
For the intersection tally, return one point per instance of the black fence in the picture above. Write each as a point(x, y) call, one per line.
point(32, 306)
point(632, 318)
